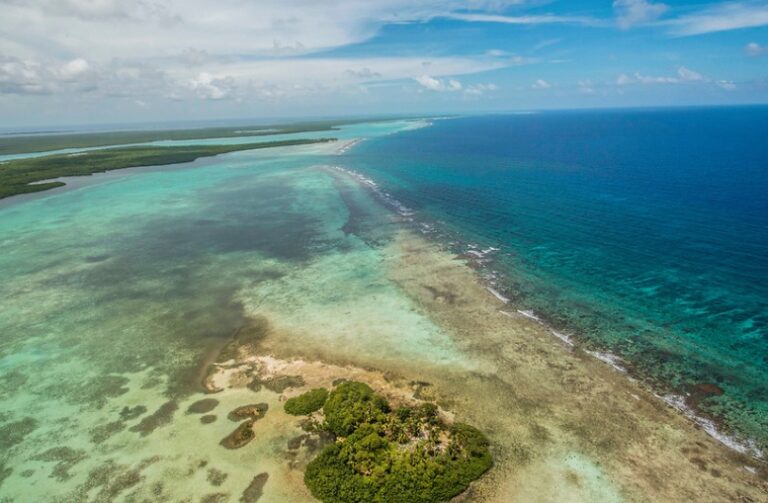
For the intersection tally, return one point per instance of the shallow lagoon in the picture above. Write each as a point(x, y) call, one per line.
point(115, 291)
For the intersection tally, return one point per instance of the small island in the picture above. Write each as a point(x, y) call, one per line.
point(385, 455)
point(36, 174)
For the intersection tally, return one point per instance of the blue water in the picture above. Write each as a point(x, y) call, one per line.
point(643, 233)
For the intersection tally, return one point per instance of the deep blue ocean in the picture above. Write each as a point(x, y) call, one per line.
point(641, 233)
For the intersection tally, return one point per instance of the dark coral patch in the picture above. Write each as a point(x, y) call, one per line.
point(203, 406)
point(102, 432)
point(215, 498)
point(254, 411)
point(277, 384)
point(240, 437)
point(65, 458)
point(5, 472)
point(255, 489)
point(129, 413)
point(216, 477)
point(160, 417)
point(14, 433)
point(208, 418)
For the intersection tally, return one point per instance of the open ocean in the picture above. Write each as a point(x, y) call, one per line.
point(641, 234)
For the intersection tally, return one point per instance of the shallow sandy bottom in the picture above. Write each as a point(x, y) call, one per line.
point(565, 426)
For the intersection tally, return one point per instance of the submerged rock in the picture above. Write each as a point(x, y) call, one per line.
point(255, 489)
point(240, 437)
point(203, 406)
point(208, 418)
point(255, 412)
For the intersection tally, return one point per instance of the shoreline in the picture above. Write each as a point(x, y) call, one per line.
point(562, 424)
point(712, 426)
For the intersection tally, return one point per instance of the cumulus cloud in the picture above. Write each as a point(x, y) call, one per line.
point(27, 76)
point(74, 69)
point(434, 84)
point(19, 76)
point(452, 85)
point(633, 12)
point(755, 49)
point(211, 87)
point(479, 89)
point(541, 84)
point(683, 75)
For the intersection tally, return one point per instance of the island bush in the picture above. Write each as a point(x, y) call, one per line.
point(306, 403)
point(351, 404)
point(383, 456)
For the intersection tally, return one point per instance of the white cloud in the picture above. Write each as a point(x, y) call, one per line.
point(210, 87)
point(479, 89)
point(227, 49)
point(363, 73)
point(73, 69)
point(586, 87)
point(688, 75)
point(624, 79)
point(522, 20)
point(102, 29)
point(496, 53)
point(722, 17)
point(454, 86)
point(728, 85)
point(434, 84)
point(632, 12)
point(19, 76)
point(684, 75)
point(755, 49)
point(545, 43)
point(27, 76)
point(521, 60)
point(541, 84)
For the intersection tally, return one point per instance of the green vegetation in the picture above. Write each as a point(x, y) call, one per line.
point(49, 140)
point(17, 175)
point(384, 456)
point(13, 144)
point(306, 403)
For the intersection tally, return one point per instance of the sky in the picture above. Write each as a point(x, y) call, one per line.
point(117, 61)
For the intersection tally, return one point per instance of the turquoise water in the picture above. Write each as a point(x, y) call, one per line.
point(118, 288)
point(115, 293)
point(640, 233)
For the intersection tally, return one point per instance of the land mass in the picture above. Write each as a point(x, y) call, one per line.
point(22, 176)
point(386, 455)
point(48, 140)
